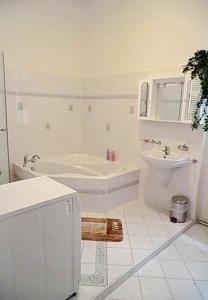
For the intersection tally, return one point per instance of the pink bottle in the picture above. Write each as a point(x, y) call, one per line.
point(113, 156)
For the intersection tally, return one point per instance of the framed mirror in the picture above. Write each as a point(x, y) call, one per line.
point(168, 99)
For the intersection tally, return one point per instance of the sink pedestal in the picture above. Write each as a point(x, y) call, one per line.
point(163, 177)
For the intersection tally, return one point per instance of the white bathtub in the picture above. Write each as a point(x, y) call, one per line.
point(102, 185)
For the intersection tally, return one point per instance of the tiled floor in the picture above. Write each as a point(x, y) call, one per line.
point(145, 229)
point(179, 272)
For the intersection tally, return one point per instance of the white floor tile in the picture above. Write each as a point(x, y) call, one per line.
point(159, 240)
point(124, 226)
point(157, 229)
point(88, 255)
point(86, 292)
point(116, 212)
point(165, 217)
point(139, 254)
point(185, 240)
point(140, 242)
point(149, 219)
point(154, 288)
point(132, 210)
point(134, 218)
point(129, 290)
point(190, 253)
point(137, 229)
point(198, 270)
point(89, 243)
point(115, 271)
point(198, 230)
point(122, 244)
point(87, 269)
point(151, 269)
point(203, 288)
point(184, 289)
point(200, 238)
point(175, 269)
point(203, 247)
point(170, 253)
point(120, 257)
point(174, 228)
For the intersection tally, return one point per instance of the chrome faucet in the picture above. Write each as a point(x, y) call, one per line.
point(152, 141)
point(183, 147)
point(166, 150)
point(33, 159)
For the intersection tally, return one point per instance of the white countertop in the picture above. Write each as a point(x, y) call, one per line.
point(24, 195)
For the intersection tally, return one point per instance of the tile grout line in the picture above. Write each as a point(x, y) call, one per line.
point(128, 236)
point(190, 279)
point(140, 286)
point(163, 272)
point(166, 279)
point(116, 283)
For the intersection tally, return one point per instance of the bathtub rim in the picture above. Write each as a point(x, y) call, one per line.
point(76, 175)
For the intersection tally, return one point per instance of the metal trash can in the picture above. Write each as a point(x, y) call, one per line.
point(178, 212)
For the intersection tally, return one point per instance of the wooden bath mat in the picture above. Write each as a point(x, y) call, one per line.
point(102, 229)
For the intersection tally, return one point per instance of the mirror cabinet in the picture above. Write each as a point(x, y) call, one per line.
point(168, 99)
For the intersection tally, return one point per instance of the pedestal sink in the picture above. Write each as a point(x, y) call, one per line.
point(164, 165)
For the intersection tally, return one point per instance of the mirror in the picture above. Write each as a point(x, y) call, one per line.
point(144, 95)
point(168, 99)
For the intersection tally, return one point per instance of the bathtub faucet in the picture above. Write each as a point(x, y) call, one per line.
point(166, 150)
point(33, 159)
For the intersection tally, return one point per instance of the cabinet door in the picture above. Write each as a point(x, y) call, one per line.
point(59, 250)
point(7, 291)
point(192, 94)
point(27, 250)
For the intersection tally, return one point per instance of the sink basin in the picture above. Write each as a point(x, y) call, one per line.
point(164, 165)
point(158, 160)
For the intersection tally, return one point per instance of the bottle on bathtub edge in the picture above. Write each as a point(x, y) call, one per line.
point(113, 156)
point(108, 154)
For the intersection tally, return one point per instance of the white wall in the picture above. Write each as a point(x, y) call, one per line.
point(42, 36)
point(203, 184)
point(44, 115)
point(92, 38)
point(129, 36)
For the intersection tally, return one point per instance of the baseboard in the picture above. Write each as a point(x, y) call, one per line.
point(202, 221)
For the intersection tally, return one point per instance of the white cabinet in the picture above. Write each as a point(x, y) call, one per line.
point(59, 255)
point(40, 249)
point(168, 99)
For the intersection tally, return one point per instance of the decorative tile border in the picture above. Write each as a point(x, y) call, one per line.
point(71, 96)
point(100, 277)
point(43, 95)
point(117, 282)
point(107, 191)
point(110, 97)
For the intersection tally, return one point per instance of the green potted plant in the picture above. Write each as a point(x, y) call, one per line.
point(198, 66)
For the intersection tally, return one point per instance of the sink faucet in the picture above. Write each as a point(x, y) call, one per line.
point(166, 150)
point(33, 159)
